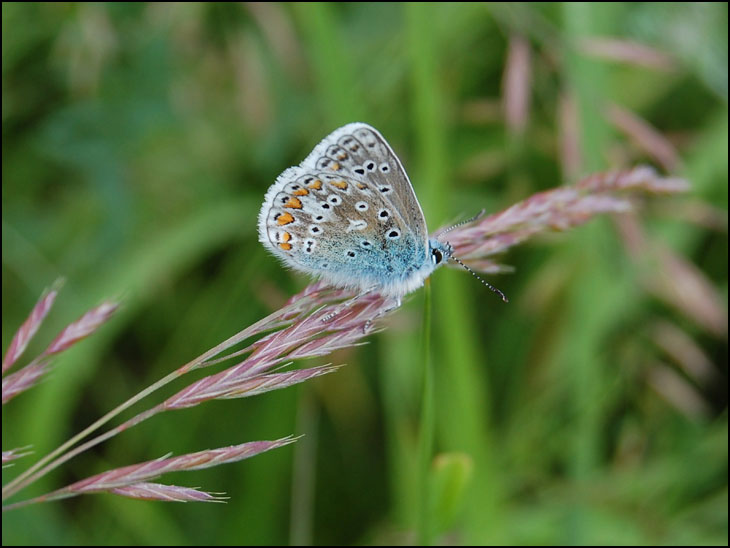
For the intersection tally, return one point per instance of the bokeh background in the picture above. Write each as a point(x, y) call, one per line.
point(138, 142)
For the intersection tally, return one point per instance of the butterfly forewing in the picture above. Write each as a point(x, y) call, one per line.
point(361, 153)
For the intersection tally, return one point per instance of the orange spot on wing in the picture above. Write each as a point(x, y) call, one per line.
point(362, 186)
point(342, 156)
point(285, 246)
point(335, 166)
point(285, 237)
point(342, 185)
point(301, 192)
point(294, 203)
point(284, 219)
point(316, 185)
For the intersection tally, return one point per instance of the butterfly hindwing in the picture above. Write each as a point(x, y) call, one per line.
point(341, 229)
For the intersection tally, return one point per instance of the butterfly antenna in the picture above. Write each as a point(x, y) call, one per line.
point(457, 225)
point(490, 286)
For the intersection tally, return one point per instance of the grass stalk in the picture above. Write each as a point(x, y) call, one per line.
point(427, 428)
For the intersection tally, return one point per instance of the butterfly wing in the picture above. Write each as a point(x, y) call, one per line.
point(348, 214)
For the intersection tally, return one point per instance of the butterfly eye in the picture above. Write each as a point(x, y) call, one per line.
point(437, 256)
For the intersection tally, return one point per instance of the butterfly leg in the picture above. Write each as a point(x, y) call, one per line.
point(349, 302)
point(369, 323)
point(345, 304)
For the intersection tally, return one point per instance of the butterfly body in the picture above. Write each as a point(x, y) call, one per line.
point(348, 215)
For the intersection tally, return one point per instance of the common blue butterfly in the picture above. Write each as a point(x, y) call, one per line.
point(348, 215)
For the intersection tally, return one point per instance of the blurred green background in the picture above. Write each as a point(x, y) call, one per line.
point(138, 143)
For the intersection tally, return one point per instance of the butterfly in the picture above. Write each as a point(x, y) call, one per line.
point(348, 215)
